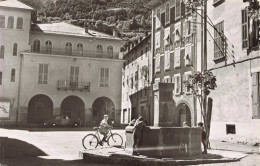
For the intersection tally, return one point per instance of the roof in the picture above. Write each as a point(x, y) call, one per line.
point(154, 3)
point(14, 4)
point(63, 28)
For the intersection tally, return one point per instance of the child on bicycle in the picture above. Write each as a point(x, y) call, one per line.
point(104, 127)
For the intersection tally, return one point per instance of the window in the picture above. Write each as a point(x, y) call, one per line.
point(13, 75)
point(146, 51)
point(99, 50)
point(15, 49)
point(219, 40)
point(104, 77)
point(80, 49)
point(186, 76)
point(43, 74)
point(167, 79)
point(178, 9)
point(167, 60)
point(230, 129)
point(167, 13)
point(188, 55)
point(110, 51)
point(2, 21)
point(157, 64)
point(1, 77)
point(177, 84)
point(36, 45)
point(2, 52)
point(48, 46)
point(74, 76)
point(10, 23)
point(244, 29)
point(19, 23)
point(158, 19)
point(68, 49)
point(187, 27)
point(177, 58)
point(167, 36)
point(256, 95)
point(157, 40)
point(136, 76)
point(177, 32)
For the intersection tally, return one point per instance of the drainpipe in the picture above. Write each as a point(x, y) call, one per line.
point(19, 90)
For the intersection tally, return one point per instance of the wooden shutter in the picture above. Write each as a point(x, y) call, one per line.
point(163, 19)
point(182, 10)
point(45, 73)
point(40, 78)
point(172, 15)
point(255, 95)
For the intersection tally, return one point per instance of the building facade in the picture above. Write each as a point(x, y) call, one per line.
point(136, 83)
point(174, 48)
point(233, 57)
point(63, 70)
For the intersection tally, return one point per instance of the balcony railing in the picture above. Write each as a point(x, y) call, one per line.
point(76, 53)
point(67, 85)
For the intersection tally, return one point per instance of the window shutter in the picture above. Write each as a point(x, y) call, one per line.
point(172, 15)
point(163, 19)
point(182, 10)
point(255, 95)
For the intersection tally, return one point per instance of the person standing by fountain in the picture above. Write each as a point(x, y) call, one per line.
point(137, 134)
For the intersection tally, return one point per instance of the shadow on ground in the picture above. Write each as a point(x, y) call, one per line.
point(14, 152)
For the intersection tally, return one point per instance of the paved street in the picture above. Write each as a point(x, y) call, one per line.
point(61, 147)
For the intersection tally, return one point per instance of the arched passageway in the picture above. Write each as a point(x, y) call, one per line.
point(102, 106)
point(184, 114)
point(73, 107)
point(40, 108)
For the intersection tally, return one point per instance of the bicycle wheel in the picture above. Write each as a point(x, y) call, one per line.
point(115, 140)
point(90, 141)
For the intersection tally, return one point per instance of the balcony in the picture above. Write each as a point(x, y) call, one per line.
point(67, 85)
point(75, 53)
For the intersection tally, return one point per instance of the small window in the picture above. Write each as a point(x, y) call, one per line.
point(230, 129)
point(167, 13)
point(2, 52)
point(48, 46)
point(10, 23)
point(178, 9)
point(36, 45)
point(110, 51)
point(219, 41)
point(99, 50)
point(19, 23)
point(1, 75)
point(68, 49)
point(2, 21)
point(80, 49)
point(13, 75)
point(244, 29)
point(15, 49)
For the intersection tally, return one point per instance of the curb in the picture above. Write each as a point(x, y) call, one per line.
point(137, 161)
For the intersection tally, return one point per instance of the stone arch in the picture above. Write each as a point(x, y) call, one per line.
point(73, 107)
point(40, 108)
point(101, 106)
point(183, 112)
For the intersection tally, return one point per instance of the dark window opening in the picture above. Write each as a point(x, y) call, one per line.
point(230, 129)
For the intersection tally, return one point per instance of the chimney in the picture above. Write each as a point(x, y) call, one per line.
point(86, 26)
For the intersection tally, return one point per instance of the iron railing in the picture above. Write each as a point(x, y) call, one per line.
point(68, 85)
point(75, 52)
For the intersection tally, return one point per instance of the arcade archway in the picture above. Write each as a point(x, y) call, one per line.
point(73, 107)
point(40, 108)
point(102, 106)
point(184, 114)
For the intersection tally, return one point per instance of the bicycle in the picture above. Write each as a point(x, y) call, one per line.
point(93, 140)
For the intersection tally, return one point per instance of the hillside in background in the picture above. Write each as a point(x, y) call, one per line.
point(129, 17)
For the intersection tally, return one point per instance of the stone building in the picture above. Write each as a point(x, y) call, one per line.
point(174, 49)
point(136, 83)
point(60, 69)
point(233, 57)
